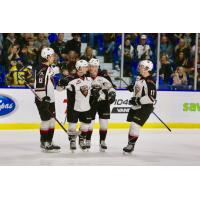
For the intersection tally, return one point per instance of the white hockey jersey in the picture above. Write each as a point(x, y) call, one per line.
point(44, 83)
point(79, 94)
point(145, 89)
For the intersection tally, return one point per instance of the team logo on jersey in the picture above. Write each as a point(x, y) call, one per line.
point(7, 105)
point(84, 90)
point(78, 82)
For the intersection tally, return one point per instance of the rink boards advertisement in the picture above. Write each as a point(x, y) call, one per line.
point(177, 109)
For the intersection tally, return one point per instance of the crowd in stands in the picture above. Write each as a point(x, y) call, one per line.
point(20, 55)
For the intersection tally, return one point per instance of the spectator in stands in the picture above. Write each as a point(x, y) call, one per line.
point(41, 41)
point(180, 80)
point(177, 37)
point(10, 40)
point(74, 44)
point(32, 51)
point(183, 61)
point(28, 54)
point(143, 50)
point(188, 37)
point(182, 47)
point(193, 49)
point(71, 68)
point(128, 56)
point(166, 47)
point(18, 74)
point(23, 39)
point(59, 45)
point(109, 44)
point(13, 54)
point(166, 69)
point(88, 55)
point(71, 56)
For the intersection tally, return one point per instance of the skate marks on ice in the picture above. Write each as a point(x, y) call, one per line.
point(154, 147)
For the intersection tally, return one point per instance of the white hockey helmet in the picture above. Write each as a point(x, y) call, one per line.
point(94, 62)
point(147, 64)
point(81, 63)
point(46, 52)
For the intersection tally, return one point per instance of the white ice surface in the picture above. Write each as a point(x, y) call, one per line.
point(154, 147)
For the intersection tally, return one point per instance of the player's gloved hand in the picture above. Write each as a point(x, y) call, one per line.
point(130, 88)
point(63, 81)
point(135, 101)
point(46, 102)
point(95, 93)
point(111, 97)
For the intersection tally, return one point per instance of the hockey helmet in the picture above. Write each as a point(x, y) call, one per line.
point(94, 62)
point(81, 63)
point(146, 64)
point(46, 52)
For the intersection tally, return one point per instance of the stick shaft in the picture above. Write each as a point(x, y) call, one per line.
point(162, 121)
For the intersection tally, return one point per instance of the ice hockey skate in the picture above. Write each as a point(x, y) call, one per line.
point(49, 147)
point(82, 144)
point(88, 144)
point(102, 146)
point(72, 139)
point(129, 148)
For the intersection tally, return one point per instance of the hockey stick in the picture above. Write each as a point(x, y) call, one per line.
point(52, 115)
point(162, 122)
point(119, 78)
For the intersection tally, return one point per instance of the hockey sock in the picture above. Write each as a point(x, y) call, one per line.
point(44, 130)
point(84, 129)
point(50, 134)
point(51, 129)
point(102, 134)
point(43, 135)
point(89, 135)
point(103, 128)
point(132, 138)
point(133, 132)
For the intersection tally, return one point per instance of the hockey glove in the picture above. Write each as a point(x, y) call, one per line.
point(63, 81)
point(95, 93)
point(46, 102)
point(111, 97)
point(135, 101)
point(130, 88)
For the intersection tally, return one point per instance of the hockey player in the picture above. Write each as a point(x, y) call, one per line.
point(144, 97)
point(102, 95)
point(78, 106)
point(44, 88)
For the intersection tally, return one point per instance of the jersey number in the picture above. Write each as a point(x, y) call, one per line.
point(152, 93)
point(40, 80)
